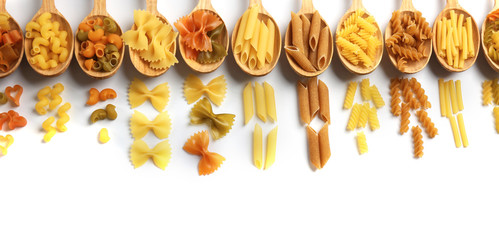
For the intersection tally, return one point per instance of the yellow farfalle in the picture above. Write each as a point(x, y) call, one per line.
point(220, 124)
point(198, 144)
point(140, 125)
point(139, 93)
point(160, 154)
point(215, 90)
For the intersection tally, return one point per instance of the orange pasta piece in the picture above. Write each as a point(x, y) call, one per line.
point(15, 120)
point(93, 98)
point(103, 40)
point(16, 88)
point(115, 39)
point(84, 27)
point(197, 144)
point(87, 49)
point(4, 117)
point(106, 94)
point(6, 39)
point(15, 36)
point(4, 65)
point(99, 50)
point(89, 63)
point(99, 21)
point(96, 35)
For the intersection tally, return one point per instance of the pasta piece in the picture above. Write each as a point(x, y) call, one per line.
point(314, 147)
point(361, 143)
point(306, 33)
point(262, 45)
point(63, 117)
point(469, 30)
point(459, 95)
point(194, 33)
point(107, 94)
point(364, 115)
point(417, 138)
point(43, 100)
point(14, 99)
point(160, 154)
point(350, 94)
point(111, 113)
point(448, 109)
point(313, 94)
point(453, 97)
point(252, 20)
point(496, 116)
point(376, 97)
point(322, 49)
point(441, 91)
point(354, 117)
point(215, 90)
point(487, 92)
point(365, 91)
point(455, 131)
point(6, 141)
point(324, 114)
point(219, 124)
point(93, 97)
point(160, 126)
point(373, 119)
point(404, 118)
point(395, 96)
point(97, 115)
point(198, 144)
point(270, 101)
point(50, 131)
point(324, 148)
point(55, 96)
point(271, 148)
point(462, 130)
point(15, 120)
point(261, 108)
point(238, 45)
point(427, 124)
point(495, 89)
point(315, 30)
point(303, 102)
point(257, 147)
point(269, 56)
point(300, 58)
point(138, 93)
point(248, 103)
point(104, 136)
point(297, 33)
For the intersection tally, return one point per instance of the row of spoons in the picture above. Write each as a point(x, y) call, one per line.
point(99, 10)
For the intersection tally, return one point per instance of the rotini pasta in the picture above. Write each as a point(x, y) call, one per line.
point(354, 117)
point(350, 94)
point(43, 100)
point(373, 119)
point(417, 139)
point(420, 93)
point(427, 124)
point(365, 89)
point(376, 97)
point(364, 115)
point(395, 96)
point(361, 143)
point(404, 118)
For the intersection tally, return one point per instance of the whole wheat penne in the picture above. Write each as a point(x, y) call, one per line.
point(322, 51)
point(315, 29)
point(303, 104)
point(313, 147)
point(300, 58)
point(324, 148)
point(306, 33)
point(297, 32)
point(324, 102)
point(313, 96)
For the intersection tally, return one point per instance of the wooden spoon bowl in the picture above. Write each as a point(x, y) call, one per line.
point(140, 64)
point(99, 11)
point(411, 66)
point(49, 6)
point(360, 69)
point(19, 47)
point(205, 5)
point(308, 10)
point(264, 16)
point(494, 65)
point(454, 5)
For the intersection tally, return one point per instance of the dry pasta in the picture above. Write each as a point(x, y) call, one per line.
point(373, 119)
point(487, 92)
point(215, 90)
point(261, 108)
point(462, 130)
point(257, 147)
point(350, 94)
point(361, 143)
point(455, 39)
point(496, 116)
point(395, 96)
point(271, 148)
point(248, 103)
point(428, 125)
point(270, 101)
point(418, 141)
point(160, 154)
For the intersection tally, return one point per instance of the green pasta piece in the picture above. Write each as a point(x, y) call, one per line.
point(110, 48)
point(97, 66)
point(113, 55)
point(3, 98)
point(107, 67)
point(97, 27)
point(82, 36)
point(113, 62)
point(109, 25)
point(214, 56)
point(217, 32)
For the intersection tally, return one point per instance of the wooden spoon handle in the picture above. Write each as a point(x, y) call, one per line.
point(152, 6)
point(496, 5)
point(356, 4)
point(99, 8)
point(205, 4)
point(48, 5)
point(2, 6)
point(255, 2)
point(407, 5)
point(452, 4)
point(307, 6)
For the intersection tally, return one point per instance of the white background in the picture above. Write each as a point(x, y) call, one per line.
point(76, 188)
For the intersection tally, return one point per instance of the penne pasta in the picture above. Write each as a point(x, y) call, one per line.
point(257, 147)
point(269, 54)
point(249, 30)
point(261, 110)
point(271, 148)
point(324, 103)
point(313, 147)
point(238, 46)
point(248, 103)
point(323, 48)
point(313, 95)
point(462, 130)
point(256, 36)
point(315, 29)
point(252, 61)
point(297, 32)
point(245, 52)
point(262, 45)
point(306, 33)
point(324, 148)
point(453, 97)
point(303, 102)
point(270, 101)
point(300, 58)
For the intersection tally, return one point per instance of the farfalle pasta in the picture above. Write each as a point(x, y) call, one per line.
point(138, 93)
point(215, 90)
point(197, 144)
point(10, 44)
point(49, 45)
point(140, 153)
point(153, 39)
point(140, 125)
point(100, 44)
point(202, 33)
point(219, 124)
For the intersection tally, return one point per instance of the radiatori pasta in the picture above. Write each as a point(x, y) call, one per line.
point(49, 45)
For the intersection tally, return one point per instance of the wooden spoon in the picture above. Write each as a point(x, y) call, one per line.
point(454, 5)
point(18, 46)
point(140, 64)
point(494, 65)
point(307, 9)
point(99, 10)
point(210, 67)
point(49, 6)
point(359, 69)
point(264, 16)
point(411, 66)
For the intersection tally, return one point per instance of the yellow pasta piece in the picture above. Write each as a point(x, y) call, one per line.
point(453, 17)
point(354, 117)
point(55, 98)
point(257, 147)
point(238, 46)
point(256, 36)
point(455, 131)
point(63, 117)
point(269, 56)
point(469, 31)
point(460, 30)
point(160, 126)
point(6, 142)
point(261, 109)
point(373, 119)
point(444, 34)
point(249, 31)
point(50, 131)
point(248, 103)
point(104, 136)
point(448, 109)
point(262, 45)
point(364, 115)
point(215, 90)
point(44, 101)
point(496, 116)
point(376, 97)
point(138, 93)
point(365, 91)
point(453, 97)
point(270, 101)
point(160, 154)
point(350, 94)
point(462, 130)
point(252, 61)
point(487, 92)
point(459, 95)
point(439, 39)
point(361, 143)
point(441, 95)
point(271, 148)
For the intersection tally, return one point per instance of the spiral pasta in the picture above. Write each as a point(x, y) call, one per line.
point(354, 117)
point(404, 118)
point(43, 100)
point(350, 94)
point(496, 116)
point(417, 138)
point(376, 97)
point(420, 93)
point(362, 143)
point(495, 91)
point(364, 115)
point(50, 131)
point(487, 92)
point(395, 96)
point(428, 125)
point(63, 117)
point(373, 119)
point(365, 91)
